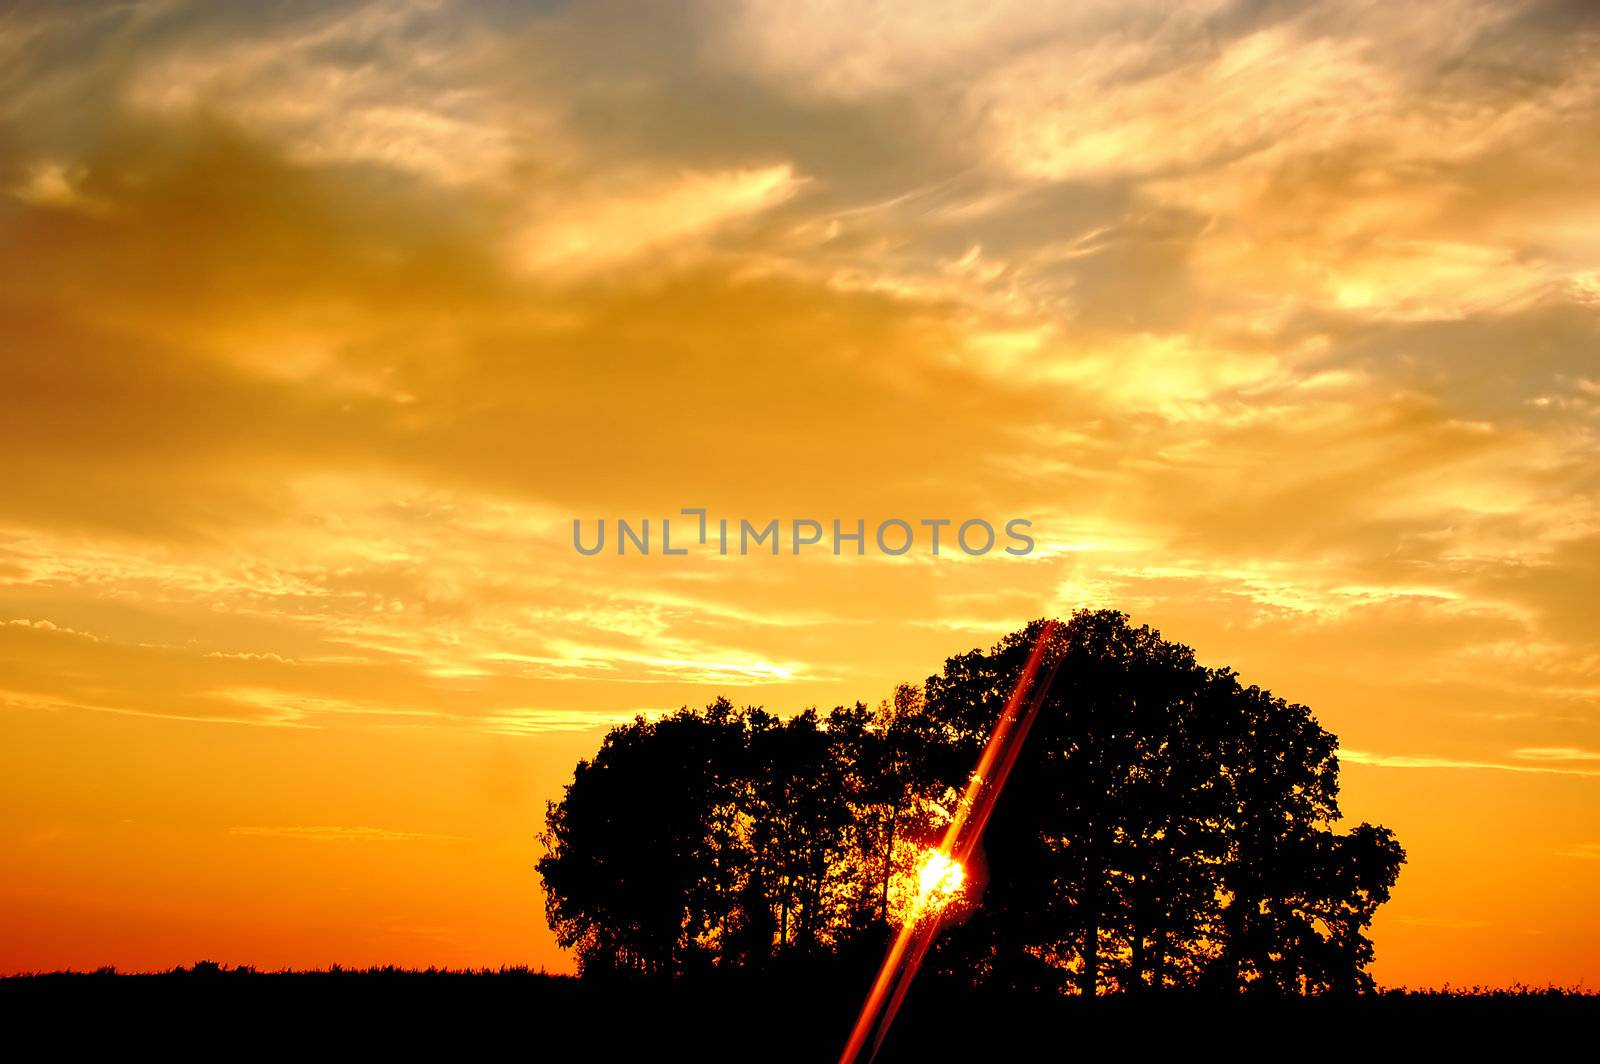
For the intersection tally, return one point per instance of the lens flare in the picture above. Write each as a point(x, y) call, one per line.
point(915, 938)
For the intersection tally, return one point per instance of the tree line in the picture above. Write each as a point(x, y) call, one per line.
point(1165, 827)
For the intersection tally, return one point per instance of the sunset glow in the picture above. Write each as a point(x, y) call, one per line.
point(321, 323)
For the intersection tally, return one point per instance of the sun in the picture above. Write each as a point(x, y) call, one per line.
point(940, 882)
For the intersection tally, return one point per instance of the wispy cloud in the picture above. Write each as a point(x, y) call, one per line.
point(1361, 757)
point(1556, 753)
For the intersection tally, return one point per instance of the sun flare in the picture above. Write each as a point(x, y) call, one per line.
point(941, 881)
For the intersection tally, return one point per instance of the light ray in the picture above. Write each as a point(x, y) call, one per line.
point(915, 937)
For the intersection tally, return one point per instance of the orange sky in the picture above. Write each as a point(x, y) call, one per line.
point(322, 323)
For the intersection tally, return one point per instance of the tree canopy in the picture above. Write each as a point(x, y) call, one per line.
point(1165, 827)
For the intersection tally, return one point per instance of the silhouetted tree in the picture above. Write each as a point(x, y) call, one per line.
point(640, 857)
point(1165, 827)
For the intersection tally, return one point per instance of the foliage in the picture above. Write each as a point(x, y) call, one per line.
point(1165, 827)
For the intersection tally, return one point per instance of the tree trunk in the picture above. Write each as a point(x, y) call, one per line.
point(1233, 921)
point(1139, 959)
point(888, 858)
point(783, 912)
point(1089, 978)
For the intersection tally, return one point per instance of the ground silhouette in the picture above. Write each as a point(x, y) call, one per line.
point(739, 1016)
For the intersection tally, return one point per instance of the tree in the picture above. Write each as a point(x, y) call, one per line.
point(1166, 827)
point(641, 857)
point(1097, 847)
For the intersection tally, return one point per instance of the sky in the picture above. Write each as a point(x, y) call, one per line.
point(323, 323)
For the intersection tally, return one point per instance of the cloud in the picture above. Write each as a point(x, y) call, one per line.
point(1361, 757)
point(589, 230)
point(1078, 110)
point(540, 721)
point(50, 184)
point(1556, 753)
point(856, 51)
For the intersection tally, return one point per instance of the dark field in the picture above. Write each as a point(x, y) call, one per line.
point(457, 1014)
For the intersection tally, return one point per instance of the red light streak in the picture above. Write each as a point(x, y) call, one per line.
point(961, 837)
